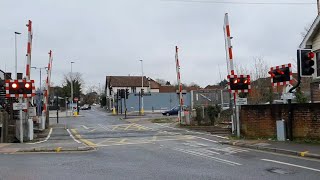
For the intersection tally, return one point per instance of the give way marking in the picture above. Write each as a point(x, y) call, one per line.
point(289, 164)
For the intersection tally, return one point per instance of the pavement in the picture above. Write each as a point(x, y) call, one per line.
point(134, 150)
point(286, 147)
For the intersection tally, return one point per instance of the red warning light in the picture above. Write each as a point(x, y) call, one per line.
point(310, 55)
point(27, 85)
point(14, 85)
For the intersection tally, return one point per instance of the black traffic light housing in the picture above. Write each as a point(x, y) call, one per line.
point(20, 88)
point(306, 60)
point(127, 93)
point(280, 75)
point(239, 83)
point(142, 92)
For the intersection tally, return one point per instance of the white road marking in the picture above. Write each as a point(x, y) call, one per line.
point(49, 135)
point(85, 127)
point(207, 156)
point(222, 137)
point(206, 139)
point(288, 164)
point(73, 137)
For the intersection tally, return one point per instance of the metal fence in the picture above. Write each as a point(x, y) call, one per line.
point(210, 97)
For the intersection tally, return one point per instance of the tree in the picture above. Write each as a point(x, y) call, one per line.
point(78, 84)
point(193, 84)
point(223, 83)
point(300, 97)
point(161, 81)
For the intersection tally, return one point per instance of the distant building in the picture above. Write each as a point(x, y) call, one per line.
point(133, 83)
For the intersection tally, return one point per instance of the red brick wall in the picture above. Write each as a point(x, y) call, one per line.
point(315, 91)
point(260, 120)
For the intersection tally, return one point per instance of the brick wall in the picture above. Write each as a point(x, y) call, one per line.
point(260, 120)
point(315, 91)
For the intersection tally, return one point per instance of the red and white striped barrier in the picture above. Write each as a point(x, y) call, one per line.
point(29, 47)
point(228, 40)
point(8, 95)
point(285, 82)
point(179, 78)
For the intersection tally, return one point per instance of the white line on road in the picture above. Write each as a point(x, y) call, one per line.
point(207, 156)
point(85, 127)
point(288, 164)
point(73, 137)
point(44, 139)
point(222, 137)
point(104, 127)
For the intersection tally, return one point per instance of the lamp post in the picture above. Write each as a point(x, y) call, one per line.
point(142, 110)
point(71, 86)
point(15, 52)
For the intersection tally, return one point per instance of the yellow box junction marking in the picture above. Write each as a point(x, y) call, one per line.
point(303, 153)
point(85, 141)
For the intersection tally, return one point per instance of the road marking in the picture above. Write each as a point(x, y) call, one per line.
point(73, 136)
point(85, 127)
point(207, 156)
point(142, 127)
point(303, 153)
point(58, 149)
point(222, 137)
point(288, 164)
point(49, 135)
point(85, 141)
point(123, 140)
point(128, 126)
point(114, 128)
point(206, 139)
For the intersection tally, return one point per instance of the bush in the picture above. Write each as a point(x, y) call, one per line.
point(210, 114)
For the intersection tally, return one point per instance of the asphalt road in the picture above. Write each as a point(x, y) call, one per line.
point(151, 151)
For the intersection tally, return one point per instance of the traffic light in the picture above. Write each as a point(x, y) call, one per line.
point(306, 60)
point(281, 75)
point(122, 93)
point(20, 88)
point(127, 93)
point(240, 83)
point(142, 92)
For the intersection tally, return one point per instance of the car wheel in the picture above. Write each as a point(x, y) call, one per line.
point(168, 114)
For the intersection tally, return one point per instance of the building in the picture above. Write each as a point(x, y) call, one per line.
point(312, 41)
point(133, 83)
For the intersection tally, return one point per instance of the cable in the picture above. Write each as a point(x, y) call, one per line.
point(241, 3)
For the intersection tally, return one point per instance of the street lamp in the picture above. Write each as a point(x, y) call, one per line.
point(15, 52)
point(71, 84)
point(142, 111)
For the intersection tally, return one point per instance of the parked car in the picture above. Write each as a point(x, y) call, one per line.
point(86, 107)
point(173, 111)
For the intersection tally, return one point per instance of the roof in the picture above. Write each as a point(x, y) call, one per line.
point(214, 87)
point(130, 81)
point(167, 89)
point(312, 32)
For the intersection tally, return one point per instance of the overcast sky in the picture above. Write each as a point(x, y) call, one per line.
point(108, 37)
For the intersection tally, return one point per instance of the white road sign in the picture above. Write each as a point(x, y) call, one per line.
point(241, 101)
point(19, 106)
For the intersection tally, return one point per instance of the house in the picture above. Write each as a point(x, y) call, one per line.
point(262, 87)
point(312, 41)
point(133, 83)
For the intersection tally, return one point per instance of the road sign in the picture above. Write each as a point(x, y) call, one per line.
point(19, 106)
point(241, 101)
point(287, 96)
point(76, 99)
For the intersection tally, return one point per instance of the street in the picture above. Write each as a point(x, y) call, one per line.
point(149, 151)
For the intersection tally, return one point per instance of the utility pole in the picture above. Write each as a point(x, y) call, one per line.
point(71, 84)
point(142, 110)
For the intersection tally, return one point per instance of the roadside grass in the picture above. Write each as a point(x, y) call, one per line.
point(163, 120)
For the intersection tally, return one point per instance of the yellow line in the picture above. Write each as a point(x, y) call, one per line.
point(115, 127)
point(123, 140)
point(58, 149)
point(141, 127)
point(303, 153)
point(128, 127)
point(85, 141)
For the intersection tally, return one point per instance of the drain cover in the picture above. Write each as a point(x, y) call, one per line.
point(279, 171)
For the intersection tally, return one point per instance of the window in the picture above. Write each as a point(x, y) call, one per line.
point(317, 63)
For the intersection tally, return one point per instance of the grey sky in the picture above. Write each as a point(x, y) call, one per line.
point(108, 37)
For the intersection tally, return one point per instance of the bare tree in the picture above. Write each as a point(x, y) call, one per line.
point(305, 30)
point(161, 81)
